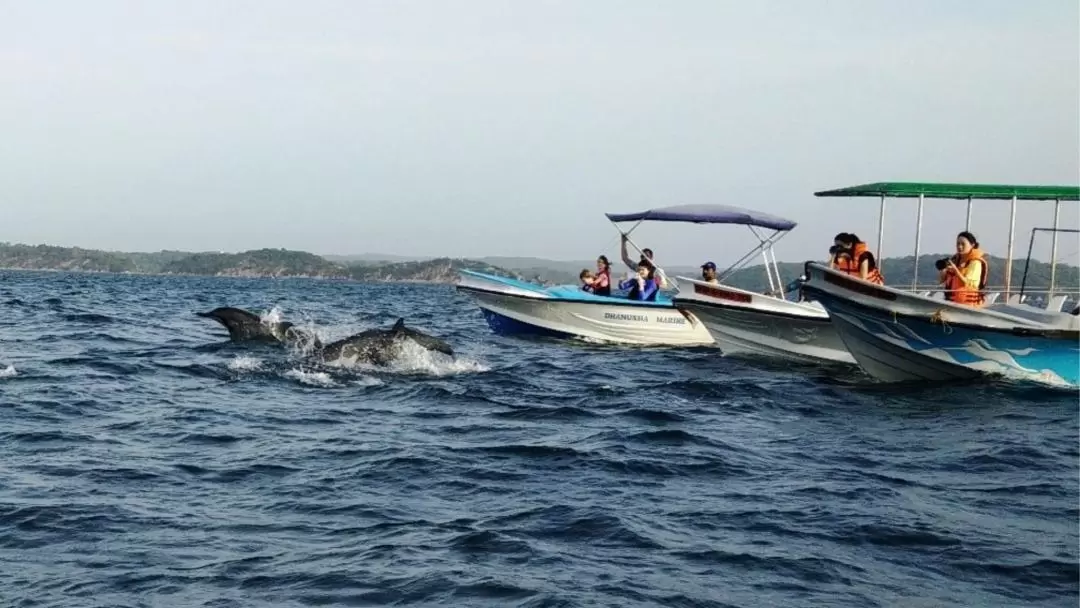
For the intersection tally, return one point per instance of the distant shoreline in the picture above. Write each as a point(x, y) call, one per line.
point(224, 276)
point(291, 264)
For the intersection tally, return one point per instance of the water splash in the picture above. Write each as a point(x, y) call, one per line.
point(274, 315)
point(8, 372)
point(412, 358)
point(312, 378)
point(244, 363)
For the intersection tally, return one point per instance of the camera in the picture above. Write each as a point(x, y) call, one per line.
point(835, 249)
point(941, 264)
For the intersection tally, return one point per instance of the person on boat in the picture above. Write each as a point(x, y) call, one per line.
point(601, 283)
point(587, 279)
point(655, 274)
point(964, 275)
point(851, 255)
point(708, 273)
point(642, 287)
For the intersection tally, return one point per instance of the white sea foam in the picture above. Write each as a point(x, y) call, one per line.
point(311, 378)
point(8, 372)
point(412, 358)
point(245, 364)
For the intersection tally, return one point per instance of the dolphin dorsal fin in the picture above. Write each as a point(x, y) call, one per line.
point(400, 325)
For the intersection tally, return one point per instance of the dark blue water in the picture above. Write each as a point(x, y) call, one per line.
point(145, 461)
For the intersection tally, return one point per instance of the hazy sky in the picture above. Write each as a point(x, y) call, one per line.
point(508, 128)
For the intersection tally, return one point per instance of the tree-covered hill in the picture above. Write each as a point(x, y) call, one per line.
point(288, 263)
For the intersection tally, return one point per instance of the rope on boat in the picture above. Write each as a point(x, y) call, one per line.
point(937, 318)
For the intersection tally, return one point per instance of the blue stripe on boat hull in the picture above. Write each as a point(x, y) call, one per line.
point(506, 326)
point(919, 347)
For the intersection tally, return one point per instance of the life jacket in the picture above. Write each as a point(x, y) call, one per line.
point(958, 291)
point(606, 289)
point(634, 291)
point(850, 265)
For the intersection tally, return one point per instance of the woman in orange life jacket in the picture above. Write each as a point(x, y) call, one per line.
point(964, 274)
point(851, 255)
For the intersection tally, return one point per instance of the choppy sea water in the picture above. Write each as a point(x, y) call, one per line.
point(146, 461)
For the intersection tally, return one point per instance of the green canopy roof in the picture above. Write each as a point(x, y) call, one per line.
point(961, 191)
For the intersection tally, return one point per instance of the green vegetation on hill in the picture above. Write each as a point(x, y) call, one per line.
point(286, 263)
point(257, 263)
point(49, 257)
point(439, 270)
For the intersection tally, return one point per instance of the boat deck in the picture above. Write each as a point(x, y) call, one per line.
point(570, 293)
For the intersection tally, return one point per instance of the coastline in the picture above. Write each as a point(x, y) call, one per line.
point(344, 279)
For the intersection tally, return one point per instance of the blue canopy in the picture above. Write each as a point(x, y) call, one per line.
point(706, 214)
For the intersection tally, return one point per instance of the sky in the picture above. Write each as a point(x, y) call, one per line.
point(509, 128)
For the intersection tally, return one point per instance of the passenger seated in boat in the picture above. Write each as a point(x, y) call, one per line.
point(708, 273)
point(851, 255)
point(642, 287)
point(964, 274)
point(601, 283)
point(646, 256)
point(587, 279)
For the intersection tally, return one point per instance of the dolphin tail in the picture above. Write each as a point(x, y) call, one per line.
point(399, 326)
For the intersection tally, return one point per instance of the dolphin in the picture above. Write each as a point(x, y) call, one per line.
point(381, 346)
point(245, 326)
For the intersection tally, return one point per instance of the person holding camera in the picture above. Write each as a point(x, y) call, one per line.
point(964, 274)
point(851, 255)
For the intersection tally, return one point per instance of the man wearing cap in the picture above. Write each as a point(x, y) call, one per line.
point(708, 273)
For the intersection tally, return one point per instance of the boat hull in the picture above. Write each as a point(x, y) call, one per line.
point(745, 323)
point(515, 308)
point(900, 337)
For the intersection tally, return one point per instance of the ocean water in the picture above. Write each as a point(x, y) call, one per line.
point(146, 461)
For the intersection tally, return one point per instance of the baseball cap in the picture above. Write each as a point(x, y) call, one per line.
point(709, 265)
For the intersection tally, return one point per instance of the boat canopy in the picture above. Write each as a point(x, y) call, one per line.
point(706, 214)
point(958, 191)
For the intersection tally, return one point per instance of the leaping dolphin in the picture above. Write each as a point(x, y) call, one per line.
point(380, 346)
point(375, 346)
point(244, 326)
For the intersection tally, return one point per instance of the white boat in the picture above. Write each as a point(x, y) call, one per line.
point(513, 307)
point(900, 336)
point(747, 323)
point(743, 322)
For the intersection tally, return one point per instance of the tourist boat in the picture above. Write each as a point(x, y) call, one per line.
point(511, 306)
point(743, 322)
point(900, 336)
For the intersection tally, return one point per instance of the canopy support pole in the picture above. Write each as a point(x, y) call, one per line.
point(776, 269)
point(967, 225)
point(880, 232)
point(918, 241)
point(772, 240)
point(763, 244)
point(771, 267)
point(1009, 258)
point(640, 252)
point(1027, 263)
point(1053, 250)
